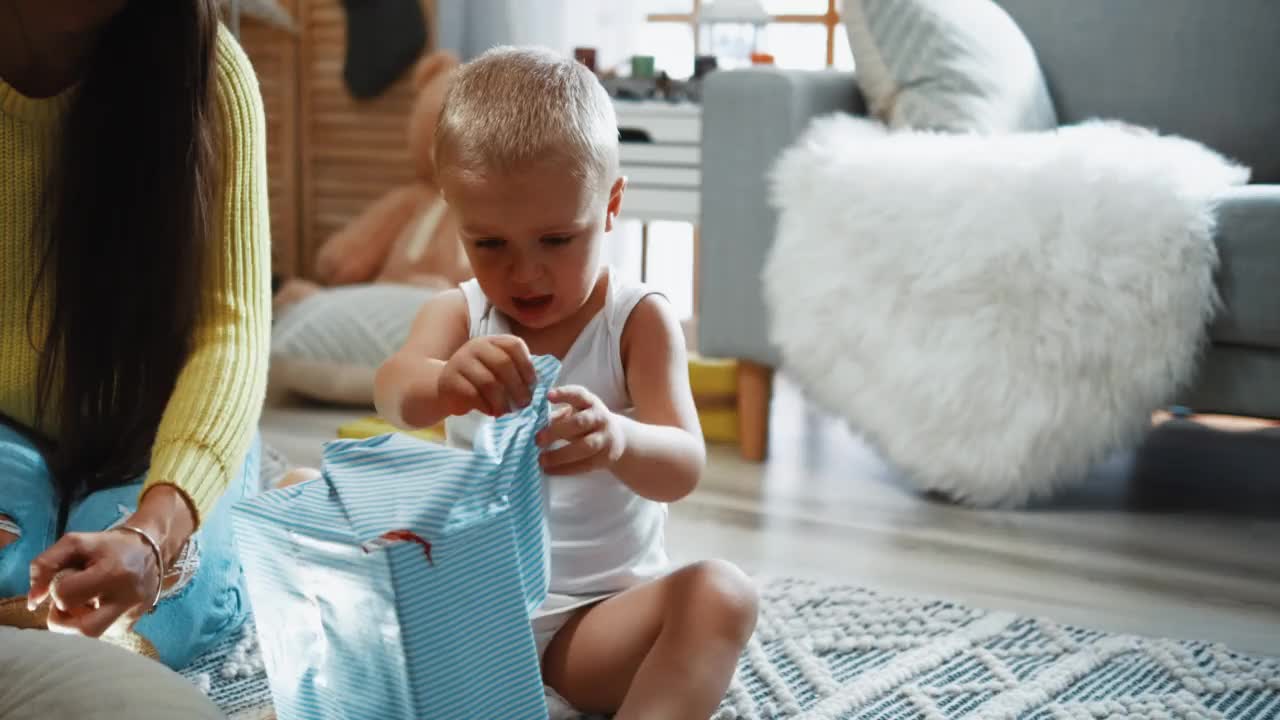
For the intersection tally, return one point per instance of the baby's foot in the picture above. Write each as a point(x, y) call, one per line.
point(297, 475)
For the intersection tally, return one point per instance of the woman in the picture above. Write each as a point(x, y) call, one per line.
point(134, 314)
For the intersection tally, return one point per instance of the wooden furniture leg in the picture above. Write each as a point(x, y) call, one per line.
point(755, 390)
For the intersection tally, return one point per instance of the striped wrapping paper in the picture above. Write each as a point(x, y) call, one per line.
point(399, 585)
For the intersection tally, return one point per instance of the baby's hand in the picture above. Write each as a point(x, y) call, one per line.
point(489, 374)
point(592, 434)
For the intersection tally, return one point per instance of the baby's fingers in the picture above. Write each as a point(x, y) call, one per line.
point(520, 357)
point(499, 363)
point(574, 456)
point(568, 424)
point(575, 396)
point(465, 394)
point(483, 380)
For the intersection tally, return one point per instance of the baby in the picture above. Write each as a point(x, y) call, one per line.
point(527, 155)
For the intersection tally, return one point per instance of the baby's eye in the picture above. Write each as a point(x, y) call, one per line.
point(489, 243)
point(557, 240)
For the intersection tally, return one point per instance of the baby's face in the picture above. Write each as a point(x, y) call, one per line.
point(534, 238)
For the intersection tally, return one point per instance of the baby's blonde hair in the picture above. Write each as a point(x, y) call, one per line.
point(512, 108)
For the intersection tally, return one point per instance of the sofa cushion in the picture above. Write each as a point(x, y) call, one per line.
point(960, 65)
point(1204, 70)
point(1236, 380)
point(1248, 240)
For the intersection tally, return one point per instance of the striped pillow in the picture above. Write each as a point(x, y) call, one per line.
point(955, 65)
point(353, 325)
point(327, 346)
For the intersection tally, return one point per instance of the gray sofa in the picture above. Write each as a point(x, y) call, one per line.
point(1205, 70)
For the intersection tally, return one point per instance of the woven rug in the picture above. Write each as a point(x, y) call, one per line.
point(831, 651)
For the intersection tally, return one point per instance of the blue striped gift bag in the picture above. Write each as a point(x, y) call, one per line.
point(399, 585)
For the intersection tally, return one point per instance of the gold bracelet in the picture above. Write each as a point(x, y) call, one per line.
point(155, 548)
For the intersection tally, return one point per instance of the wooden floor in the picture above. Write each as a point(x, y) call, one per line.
point(1181, 539)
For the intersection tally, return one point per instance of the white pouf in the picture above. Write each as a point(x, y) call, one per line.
point(45, 676)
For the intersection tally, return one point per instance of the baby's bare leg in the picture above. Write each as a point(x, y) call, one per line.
point(666, 649)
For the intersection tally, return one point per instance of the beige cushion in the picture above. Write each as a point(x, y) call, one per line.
point(45, 676)
point(329, 345)
point(956, 65)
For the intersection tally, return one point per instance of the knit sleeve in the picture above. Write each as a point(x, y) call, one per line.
point(213, 414)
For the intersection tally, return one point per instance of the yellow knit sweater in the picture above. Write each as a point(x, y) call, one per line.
point(213, 413)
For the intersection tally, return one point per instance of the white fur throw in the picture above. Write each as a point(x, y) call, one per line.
point(995, 314)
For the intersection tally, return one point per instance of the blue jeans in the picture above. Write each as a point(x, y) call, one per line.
point(192, 617)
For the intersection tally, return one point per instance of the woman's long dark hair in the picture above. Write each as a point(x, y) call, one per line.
point(126, 221)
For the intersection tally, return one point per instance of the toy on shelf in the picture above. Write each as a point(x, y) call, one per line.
point(645, 81)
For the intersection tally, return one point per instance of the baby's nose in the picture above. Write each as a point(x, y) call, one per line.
point(525, 270)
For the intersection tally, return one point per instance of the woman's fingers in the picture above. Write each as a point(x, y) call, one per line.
point(81, 588)
point(88, 621)
point(71, 550)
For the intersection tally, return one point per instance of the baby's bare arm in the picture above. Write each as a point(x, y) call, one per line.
point(405, 388)
point(665, 453)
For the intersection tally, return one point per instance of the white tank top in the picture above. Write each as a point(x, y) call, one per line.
point(604, 537)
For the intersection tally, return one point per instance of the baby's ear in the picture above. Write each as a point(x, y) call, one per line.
point(615, 202)
point(432, 65)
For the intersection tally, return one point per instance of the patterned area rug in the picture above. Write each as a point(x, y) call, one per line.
point(829, 651)
point(825, 651)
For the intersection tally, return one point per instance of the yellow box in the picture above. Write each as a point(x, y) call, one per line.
point(714, 382)
point(373, 426)
point(713, 377)
point(719, 425)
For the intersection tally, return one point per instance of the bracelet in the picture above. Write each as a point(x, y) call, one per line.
point(155, 548)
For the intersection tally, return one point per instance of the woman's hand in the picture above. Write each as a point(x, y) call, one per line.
point(94, 579)
point(593, 435)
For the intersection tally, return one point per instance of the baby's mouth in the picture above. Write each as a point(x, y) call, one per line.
point(532, 302)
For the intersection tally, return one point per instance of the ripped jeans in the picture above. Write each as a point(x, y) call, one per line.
point(206, 603)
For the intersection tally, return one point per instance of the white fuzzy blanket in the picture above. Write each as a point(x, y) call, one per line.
point(996, 314)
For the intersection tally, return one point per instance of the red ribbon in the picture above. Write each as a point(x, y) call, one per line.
point(393, 536)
